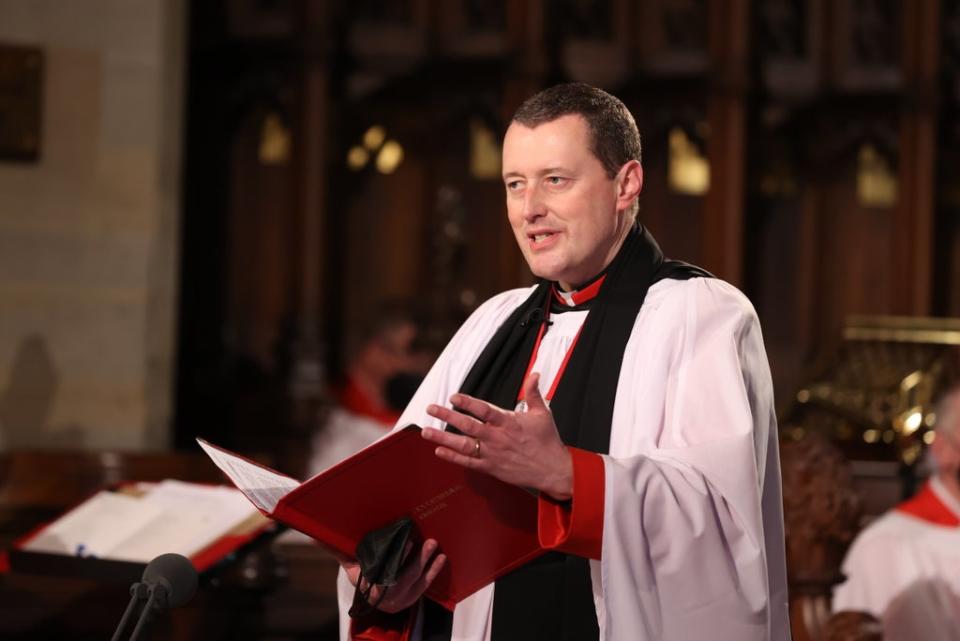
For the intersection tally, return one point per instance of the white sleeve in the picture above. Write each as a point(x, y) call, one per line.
point(684, 553)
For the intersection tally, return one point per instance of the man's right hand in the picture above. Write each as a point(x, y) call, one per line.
point(411, 584)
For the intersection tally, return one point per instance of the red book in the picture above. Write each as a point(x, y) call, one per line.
point(485, 527)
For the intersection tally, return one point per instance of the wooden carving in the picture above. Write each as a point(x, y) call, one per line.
point(868, 44)
point(821, 514)
point(672, 36)
point(853, 626)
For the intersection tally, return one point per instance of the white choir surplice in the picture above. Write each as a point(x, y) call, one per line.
point(692, 542)
point(905, 570)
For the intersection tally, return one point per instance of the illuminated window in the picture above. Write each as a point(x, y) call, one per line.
point(274, 141)
point(876, 182)
point(484, 152)
point(689, 170)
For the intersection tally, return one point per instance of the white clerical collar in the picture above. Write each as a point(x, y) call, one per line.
point(944, 495)
point(567, 297)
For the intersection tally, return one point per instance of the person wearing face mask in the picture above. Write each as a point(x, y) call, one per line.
point(904, 568)
point(386, 365)
point(629, 391)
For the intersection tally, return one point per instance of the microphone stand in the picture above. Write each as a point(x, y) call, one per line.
point(155, 594)
point(156, 597)
point(169, 580)
point(137, 591)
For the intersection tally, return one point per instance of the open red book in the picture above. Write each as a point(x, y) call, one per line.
point(485, 527)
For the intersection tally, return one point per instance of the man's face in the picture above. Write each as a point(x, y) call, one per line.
point(946, 448)
point(561, 204)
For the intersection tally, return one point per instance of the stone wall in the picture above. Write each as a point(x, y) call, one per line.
point(88, 233)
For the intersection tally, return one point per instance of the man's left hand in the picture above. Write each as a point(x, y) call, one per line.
point(520, 448)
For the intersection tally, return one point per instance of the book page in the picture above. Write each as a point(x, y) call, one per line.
point(262, 486)
point(97, 526)
point(220, 503)
point(195, 517)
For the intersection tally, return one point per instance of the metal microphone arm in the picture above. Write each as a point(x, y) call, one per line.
point(154, 602)
point(137, 592)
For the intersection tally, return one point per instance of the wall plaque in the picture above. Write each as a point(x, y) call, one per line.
point(21, 81)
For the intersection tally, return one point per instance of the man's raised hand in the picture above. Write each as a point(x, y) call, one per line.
point(521, 448)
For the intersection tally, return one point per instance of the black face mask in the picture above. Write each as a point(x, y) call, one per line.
point(400, 388)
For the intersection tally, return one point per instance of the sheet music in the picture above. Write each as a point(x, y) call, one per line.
point(261, 485)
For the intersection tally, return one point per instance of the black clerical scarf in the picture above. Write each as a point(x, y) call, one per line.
point(551, 598)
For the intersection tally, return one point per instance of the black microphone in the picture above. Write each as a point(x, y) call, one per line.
point(173, 577)
point(168, 581)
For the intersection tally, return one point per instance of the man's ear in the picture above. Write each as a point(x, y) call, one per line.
point(629, 183)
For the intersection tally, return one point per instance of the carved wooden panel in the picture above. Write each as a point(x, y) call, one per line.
point(855, 244)
point(671, 36)
point(782, 251)
point(784, 101)
point(816, 252)
point(592, 38)
point(853, 626)
point(675, 219)
point(388, 35)
point(431, 229)
point(261, 282)
point(867, 44)
point(821, 515)
point(473, 28)
point(789, 45)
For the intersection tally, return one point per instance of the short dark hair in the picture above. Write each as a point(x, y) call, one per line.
point(386, 316)
point(615, 139)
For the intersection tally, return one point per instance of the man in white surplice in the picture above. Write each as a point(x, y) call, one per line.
point(904, 568)
point(679, 508)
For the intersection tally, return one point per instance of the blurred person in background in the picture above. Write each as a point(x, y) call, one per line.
point(904, 568)
point(387, 360)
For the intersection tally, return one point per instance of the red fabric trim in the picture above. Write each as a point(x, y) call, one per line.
point(588, 292)
point(581, 296)
point(352, 398)
point(382, 626)
point(4, 562)
point(533, 359)
point(563, 366)
point(927, 506)
point(209, 556)
point(576, 526)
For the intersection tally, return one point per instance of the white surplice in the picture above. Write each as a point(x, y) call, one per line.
point(693, 528)
point(905, 570)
